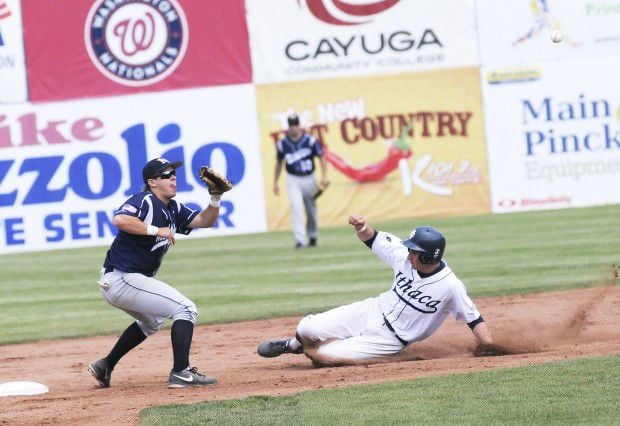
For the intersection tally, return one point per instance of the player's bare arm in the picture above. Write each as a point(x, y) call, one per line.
point(206, 218)
point(276, 176)
point(133, 225)
point(482, 333)
point(362, 228)
point(324, 180)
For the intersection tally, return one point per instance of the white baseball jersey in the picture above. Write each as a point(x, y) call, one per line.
point(415, 306)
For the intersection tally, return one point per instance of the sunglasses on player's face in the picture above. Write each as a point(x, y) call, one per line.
point(167, 174)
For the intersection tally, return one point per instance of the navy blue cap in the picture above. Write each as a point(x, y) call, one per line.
point(293, 120)
point(154, 167)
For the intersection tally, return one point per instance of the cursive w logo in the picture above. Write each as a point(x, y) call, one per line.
point(346, 12)
point(136, 43)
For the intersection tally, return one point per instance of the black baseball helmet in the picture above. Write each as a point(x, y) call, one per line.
point(429, 242)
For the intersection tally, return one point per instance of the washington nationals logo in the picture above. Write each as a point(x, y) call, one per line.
point(346, 12)
point(136, 42)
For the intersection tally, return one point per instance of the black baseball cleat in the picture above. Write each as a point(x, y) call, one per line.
point(277, 347)
point(101, 371)
point(298, 245)
point(312, 242)
point(189, 377)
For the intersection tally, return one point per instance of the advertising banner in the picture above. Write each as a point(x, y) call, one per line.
point(401, 146)
point(554, 140)
point(12, 68)
point(65, 167)
point(517, 31)
point(309, 39)
point(102, 47)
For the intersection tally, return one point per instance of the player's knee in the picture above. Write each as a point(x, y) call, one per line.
point(152, 327)
point(307, 328)
point(187, 312)
point(327, 352)
point(325, 356)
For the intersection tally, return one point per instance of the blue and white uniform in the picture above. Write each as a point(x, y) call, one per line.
point(301, 185)
point(411, 310)
point(127, 281)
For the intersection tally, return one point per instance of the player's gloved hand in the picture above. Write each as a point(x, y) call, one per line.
point(216, 183)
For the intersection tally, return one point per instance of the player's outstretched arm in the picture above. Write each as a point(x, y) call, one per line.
point(362, 228)
point(208, 216)
point(482, 333)
point(485, 345)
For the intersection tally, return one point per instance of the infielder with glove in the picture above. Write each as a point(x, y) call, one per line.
point(147, 224)
point(298, 149)
point(424, 292)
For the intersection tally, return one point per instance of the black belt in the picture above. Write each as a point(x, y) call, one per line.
point(389, 326)
point(108, 269)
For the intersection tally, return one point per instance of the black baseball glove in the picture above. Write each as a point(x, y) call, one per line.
point(216, 183)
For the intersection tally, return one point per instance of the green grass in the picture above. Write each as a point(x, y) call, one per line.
point(585, 391)
point(53, 294)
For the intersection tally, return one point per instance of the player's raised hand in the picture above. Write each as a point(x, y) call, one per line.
point(358, 221)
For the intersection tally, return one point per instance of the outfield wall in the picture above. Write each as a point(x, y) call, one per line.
point(426, 108)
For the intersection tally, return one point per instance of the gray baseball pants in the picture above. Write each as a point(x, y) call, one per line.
point(301, 190)
point(148, 300)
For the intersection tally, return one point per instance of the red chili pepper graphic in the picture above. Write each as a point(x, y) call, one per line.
point(372, 172)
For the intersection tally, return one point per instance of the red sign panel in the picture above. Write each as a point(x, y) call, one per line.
point(78, 48)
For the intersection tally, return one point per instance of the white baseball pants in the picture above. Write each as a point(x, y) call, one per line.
point(148, 300)
point(359, 330)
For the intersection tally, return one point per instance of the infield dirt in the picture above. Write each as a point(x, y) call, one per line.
point(535, 328)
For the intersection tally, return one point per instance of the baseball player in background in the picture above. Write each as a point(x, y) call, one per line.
point(298, 149)
point(423, 293)
point(147, 224)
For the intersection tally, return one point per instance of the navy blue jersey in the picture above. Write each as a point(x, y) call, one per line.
point(299, 156)
point(144, 253)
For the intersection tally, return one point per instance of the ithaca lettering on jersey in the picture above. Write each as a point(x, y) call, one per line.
point(414, 298)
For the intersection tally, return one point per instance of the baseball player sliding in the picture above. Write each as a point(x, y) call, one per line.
point(147, 223)
point(423, 293)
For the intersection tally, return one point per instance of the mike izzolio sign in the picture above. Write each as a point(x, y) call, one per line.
point(65, 167)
